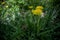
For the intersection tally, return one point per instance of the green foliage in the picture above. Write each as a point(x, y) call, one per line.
point(18, 23)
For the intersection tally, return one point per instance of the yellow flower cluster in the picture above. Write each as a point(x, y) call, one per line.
point(38, 10)
point(39, 7)
point(6, 5)
point(30, 6)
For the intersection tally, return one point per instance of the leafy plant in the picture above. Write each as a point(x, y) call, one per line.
point(19, 23)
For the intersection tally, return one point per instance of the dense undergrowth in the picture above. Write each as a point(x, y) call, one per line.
point(18, 22)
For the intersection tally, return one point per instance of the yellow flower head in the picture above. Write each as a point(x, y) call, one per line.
point(39, 7)
point(37, 12)
point(30, 6)
point(6, 6)
point(3, 3)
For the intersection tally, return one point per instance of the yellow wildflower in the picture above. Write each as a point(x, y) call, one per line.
point(3, 3)
point(39, 7)
point(30, 6)
point(6, 6)
point(37, 12)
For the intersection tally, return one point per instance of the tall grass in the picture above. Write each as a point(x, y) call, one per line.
point(18, 23)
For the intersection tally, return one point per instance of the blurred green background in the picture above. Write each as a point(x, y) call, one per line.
point(18, 23)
